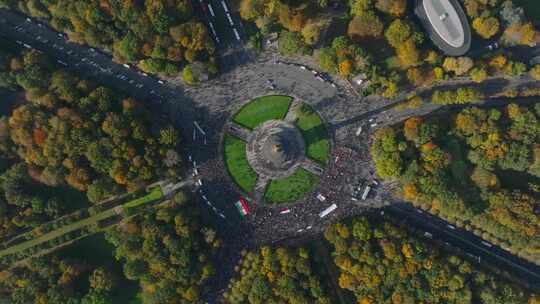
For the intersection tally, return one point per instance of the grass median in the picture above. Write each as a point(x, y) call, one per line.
point(263, 109)
point(314, 132)
point(291, 188)
point(237, 165)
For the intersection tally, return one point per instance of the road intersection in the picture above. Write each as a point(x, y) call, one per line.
point(212, 103)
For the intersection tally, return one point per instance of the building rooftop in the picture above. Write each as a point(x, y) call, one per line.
point(446, 24)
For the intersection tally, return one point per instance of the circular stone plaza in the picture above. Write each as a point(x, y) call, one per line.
point(275, 148)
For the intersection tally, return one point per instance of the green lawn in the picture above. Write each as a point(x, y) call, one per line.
point(154, 194)
point(237, 164)
point(95, 250)
point(458, 166)
point(291, 188)
point(262, 109)
point(315, 134)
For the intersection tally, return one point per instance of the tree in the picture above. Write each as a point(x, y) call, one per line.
point(535, 72)
point(408, 53)
point(291, 43)
point(459, 66)
point(398, 32)
point(486, 27)
point(102, 280)
point(516, 34)
point(365, 26)
point(512, 15)
point(187, 75)
point(393, 7)
point(478, 75)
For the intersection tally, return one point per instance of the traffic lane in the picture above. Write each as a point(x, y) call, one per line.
point(468, 242)
point(222, 25)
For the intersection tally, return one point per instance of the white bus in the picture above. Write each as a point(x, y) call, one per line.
point(328, 210)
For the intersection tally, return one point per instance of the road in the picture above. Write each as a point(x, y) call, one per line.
point(212, 103)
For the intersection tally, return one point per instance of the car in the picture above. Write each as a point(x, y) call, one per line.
point(28, 20)
point(319, 78)
point(160, 81)
point(211, 9)
point(139, 85)
point(224, 6)
point(303, 67)
point(131, 81)
point(285, 211)
point(428, 235)
point(333, 85)
point(221, 215)
point(373, 125)
point(126, 65)
point(231, 22)
point(359, 131)
point(236, 34)
point(486, 244)
point(144, 74)
point(451, 227)
point(321, 198)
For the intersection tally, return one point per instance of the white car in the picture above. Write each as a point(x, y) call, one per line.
point(285, 211)
point(161, 81)
point(236, 34)
point(231, 22)
point(126, 65)
point(321, 197)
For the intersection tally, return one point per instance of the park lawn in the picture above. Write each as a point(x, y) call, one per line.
point(315, 134)
point(458, 166)
point(58, 232)
point(95, 250)
point(291, 188)
point(155, 194)
point(263, 109)
point(237, 164)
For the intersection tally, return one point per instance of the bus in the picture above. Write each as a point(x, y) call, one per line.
point(242, 207)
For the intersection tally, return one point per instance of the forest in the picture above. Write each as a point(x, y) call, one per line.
point(161, 37)
point(68, 132)
point(277, 275)
point(382, 261)
point(478, 168)
point(67, 142)
point(382, 40)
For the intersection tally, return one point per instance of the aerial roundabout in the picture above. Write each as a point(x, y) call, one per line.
point(275, 149)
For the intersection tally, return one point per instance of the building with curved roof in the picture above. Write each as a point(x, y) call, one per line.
point(446, 24)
